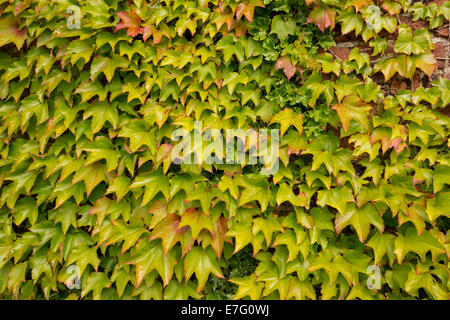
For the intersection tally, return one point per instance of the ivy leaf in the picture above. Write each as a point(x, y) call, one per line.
point(360, 58)
point(285, 193)
point(336, 198)
point(267, 227)
point(248, 286)
point(128, 233)
point(96, 282)
point(428, 282)
point(329, 64)
point(10, 32)
point(179, 291)
point(360, 219)
point(441, 177)
point(248, 9)
point(148, 257)
point(392, 7)
point(153, 183)
point(102, 148)
point(230, 184)
point(382, 244)
point(197, 221)
point(351, 21)
point(425, 62)
point(92, 175)
point(16, 277)
point(139, 134)
point(288, 68)
point(79, 49)
point(100, 113)
point(219, 236)
point(405, 42)
point(352, 108)
point(82, 256)
point(283, 29)
point(255, 189)
point(287, 118)
point(25, 208)
point(202, 263)
point(323, 17)
point(107, 66)
point(358, 4)
point(130, 21)
point(67, 216)
point(242, 234)
point(419, 244)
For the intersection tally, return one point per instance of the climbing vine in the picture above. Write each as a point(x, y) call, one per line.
point(94, 205)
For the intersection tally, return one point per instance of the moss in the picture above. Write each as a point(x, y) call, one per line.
point(239, 265)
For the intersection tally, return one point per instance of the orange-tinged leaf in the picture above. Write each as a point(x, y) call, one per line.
point(10, 32)
point(197, 221)
point(352, 107)
point(323, 17)
point(388, 67)
point(218, 238)
point(358, 4)
point(130, 21)
point(425, 62)
point(222, 19)
point(248, 9)
point(170, 233)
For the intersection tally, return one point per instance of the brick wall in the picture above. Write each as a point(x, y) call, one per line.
point(441, 39)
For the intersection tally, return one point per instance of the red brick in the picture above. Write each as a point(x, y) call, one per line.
point(341, 53)
point(439, 52)
point(416, 82)
point(444, 32)
point(418, 24)
point(398, 84)
point(390, 48)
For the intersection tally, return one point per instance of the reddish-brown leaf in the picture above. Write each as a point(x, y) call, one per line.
point(285, 64)
point(169, 232)
point(323, 17)
point(130, 21)
point(10, 32)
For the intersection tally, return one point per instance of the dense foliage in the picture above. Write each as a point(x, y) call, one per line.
point(88, 183)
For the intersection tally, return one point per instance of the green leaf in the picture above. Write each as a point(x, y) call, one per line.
point(95, 282)
point(441, 177)
point(202, 263)
point(336, 198)
point(84, 255)
point(107, 66)
point(153, 183)
point(351, 21)
point(283, 29)
point(419, 244)
point(139, 134)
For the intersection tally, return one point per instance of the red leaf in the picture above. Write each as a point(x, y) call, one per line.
point(285, 64)
point(131, 21)
point(322, 17)
point(10, 32)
